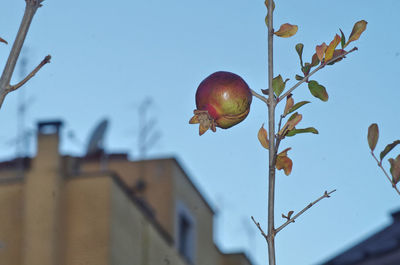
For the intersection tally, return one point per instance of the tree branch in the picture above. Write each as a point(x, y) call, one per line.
point(386, 174)
point(259, 228)
point(305, 79)
point(291, 220)
point(30, 10)
point(260, 97)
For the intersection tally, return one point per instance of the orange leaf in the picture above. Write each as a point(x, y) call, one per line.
point(290, 124)
point(289, 104)
point(286, 30)
point(263, 137)
point(320, 50)
point(358, 28)
point(3, 40)
point(331, 48)
point(284, 162)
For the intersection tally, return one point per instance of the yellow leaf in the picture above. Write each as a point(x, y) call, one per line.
point(331, 48)
point(358, 28)
point(286, 30)
point(263, 137)
point(289, 104)
point(320, 50)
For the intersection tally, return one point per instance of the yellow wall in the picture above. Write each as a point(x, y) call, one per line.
point(11, 216)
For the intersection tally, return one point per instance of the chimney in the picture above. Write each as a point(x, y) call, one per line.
point(42, 199)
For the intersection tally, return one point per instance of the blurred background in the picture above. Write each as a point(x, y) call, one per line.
point(138, 64)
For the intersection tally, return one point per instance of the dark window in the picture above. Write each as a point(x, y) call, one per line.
point(185, 237)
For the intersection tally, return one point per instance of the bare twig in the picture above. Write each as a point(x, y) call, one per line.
point(291, 220)
point(271, 127)
point(386, 174)
point(5, 87)
point(260, 97)
point(322, 65)
point(259, 228)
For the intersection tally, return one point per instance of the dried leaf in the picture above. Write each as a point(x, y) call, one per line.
point(337, 53)
point(395, 169)
point(331, 48)
point(305, 130)
point(3, 40)
point(318, 90)
point(299, 49)
point(373, 135)
point(358, 28)
point(299, 77)
point(389, 148)
point(320, 51)
point(289, 104)
point(265, 91)
point(290, 124)
point(298, 105)
point(284, 162)
point(263, 137)
point(314, 60)
point(289, 215)
point(286, 30)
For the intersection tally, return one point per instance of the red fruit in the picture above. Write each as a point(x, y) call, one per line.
point(223, 100)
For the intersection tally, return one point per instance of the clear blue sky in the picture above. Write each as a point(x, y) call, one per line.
point(109, 56)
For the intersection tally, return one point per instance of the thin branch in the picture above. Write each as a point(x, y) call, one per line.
point(260, 97)
point(30, 10)
point(386, 174)
point(291, 220)
point(29, 76)
point(322, 65)
point(259, 228)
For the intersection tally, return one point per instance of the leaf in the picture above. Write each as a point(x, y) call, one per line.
point(358, 28)
point(314, 60)
point(331, 48)
point(286, 30)
point(299, 77)
point(278, 85)
point(337, 53)
point(265, 91)
point(289, 215)
point(289, 104)
point(298, 105)
point(263, 137)
point(284, 162)
point(343, 39)
point(389, 148)
point(290, 124)
point(3, 40)
point(318, 90)
point(299, 49)
point(305, 130)
point(306, 68)
point(373, 135)
point(395, 169)
point(320, 51)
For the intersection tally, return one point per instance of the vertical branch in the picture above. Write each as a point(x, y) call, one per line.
point(271, 127)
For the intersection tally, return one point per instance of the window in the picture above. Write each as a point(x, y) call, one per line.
point(185, 236)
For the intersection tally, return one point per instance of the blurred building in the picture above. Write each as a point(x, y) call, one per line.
point(382, 248)
point(102, 209)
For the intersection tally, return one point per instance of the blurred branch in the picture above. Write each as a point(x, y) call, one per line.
point(386, 174)
point(322, 65)
point(259, 228)
point(5, 87)
point(291, 220)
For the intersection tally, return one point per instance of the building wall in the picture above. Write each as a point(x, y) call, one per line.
point(86, 218)
point(11, 216)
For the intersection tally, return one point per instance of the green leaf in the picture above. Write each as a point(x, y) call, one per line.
point(343, 39)
point(297, 105)
point(318, 90)
point(373, 135)
point(299, 50)
point(305, 130)
point(278, 85)
point(389, 148)
point(395, 169)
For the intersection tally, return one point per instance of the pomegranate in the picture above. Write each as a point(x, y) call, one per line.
point(223, 100)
